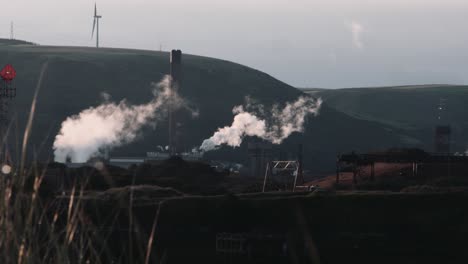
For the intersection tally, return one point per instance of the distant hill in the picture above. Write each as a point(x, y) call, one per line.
point(77, 76)
point(349, 119)
point(411, 108)
point(406, 106)
point(14, 42)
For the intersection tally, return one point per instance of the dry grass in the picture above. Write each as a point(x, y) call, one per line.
point(46, 229)
point(41, 229)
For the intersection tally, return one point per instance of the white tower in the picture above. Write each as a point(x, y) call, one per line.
point(96, 25)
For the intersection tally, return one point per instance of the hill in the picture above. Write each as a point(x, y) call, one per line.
point(77, 76)
point(10, 42)
point(413, 109)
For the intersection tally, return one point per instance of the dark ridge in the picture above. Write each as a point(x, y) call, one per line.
point(15, 42)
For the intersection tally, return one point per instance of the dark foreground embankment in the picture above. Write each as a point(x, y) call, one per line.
point(325, 228)
point(320, 227)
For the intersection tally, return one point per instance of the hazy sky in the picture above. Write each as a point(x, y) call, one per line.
point(306, 43)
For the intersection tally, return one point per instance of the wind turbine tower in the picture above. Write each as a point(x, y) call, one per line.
point(96, 25)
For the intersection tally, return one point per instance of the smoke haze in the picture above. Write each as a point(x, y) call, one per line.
point(276, 127)
point(110, 124)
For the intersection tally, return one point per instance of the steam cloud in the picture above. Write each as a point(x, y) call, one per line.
point(111, 124)
point(280, 124)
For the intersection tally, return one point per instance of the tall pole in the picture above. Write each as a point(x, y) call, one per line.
point(300, 170)
point(12, 33)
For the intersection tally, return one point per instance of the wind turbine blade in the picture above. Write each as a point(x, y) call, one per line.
point(95, 10)
point(94, 25)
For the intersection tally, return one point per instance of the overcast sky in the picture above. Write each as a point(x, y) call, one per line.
point(306, 43)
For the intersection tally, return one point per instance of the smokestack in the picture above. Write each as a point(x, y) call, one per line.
point(176, 76)
point(176, 66)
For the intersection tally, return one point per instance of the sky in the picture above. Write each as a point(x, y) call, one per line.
point(305, 43)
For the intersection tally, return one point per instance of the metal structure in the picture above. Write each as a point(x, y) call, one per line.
point(287, 169)
point(7, 89)
point(12, 31)
point(231, 243)
point(7, 92)
point(355, 162)
point(300, 171)
point(96, 25)
point(176, 77)
point(260, 155)
point(8, 74)
point(251, 247)
point(442, 131)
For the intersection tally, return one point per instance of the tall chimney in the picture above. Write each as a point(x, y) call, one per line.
point(443, 131)
point(176, 76)
point(176, 67)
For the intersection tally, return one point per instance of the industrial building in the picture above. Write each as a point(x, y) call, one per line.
point(421, 164)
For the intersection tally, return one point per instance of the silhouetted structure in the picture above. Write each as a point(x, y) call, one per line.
point(285, 173)
point(176, 76)
point(442, 139)
point(96, 25)
point(12, 31)
point(443, 131)
point(260, 155)
point(353, 162)
point(7, 92)
point(300, 171)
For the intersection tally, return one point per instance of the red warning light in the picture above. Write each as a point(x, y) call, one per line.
point(8, 73)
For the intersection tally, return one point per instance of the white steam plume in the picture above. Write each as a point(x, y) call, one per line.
point(277, 127)
point(109, 125)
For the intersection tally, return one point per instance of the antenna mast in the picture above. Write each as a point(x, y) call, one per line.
point(441, 110)
point(443, 130)
point(12, 32)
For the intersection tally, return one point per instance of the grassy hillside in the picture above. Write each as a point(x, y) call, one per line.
point(77, 76)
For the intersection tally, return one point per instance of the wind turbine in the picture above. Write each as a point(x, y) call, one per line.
point(96, 25)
